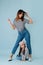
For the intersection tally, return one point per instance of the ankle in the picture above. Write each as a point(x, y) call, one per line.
point(11, 55)
point(30, 56)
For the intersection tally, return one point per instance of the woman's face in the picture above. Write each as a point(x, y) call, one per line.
point(20, 15)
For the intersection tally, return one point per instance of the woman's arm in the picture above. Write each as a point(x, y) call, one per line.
point(12, 25)
point(30, 19)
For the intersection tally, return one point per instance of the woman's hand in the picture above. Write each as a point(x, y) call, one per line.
point(9, 20)
point(26, 14)
point(30, 19)
point(12, 25)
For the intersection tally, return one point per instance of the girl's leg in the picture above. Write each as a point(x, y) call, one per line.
point(20, 38)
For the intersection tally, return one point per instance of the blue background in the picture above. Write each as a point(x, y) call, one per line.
point(8, 36)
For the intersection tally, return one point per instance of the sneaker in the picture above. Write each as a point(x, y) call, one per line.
point(30, 59)
point(18, 55)
point(10, 59)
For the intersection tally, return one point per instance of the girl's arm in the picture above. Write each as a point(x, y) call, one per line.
point(30, 19)
point(20, 51)
point(12, 25)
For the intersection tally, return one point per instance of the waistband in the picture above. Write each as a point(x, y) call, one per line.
point(23, 31)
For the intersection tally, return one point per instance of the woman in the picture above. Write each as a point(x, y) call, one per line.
point(19, 23)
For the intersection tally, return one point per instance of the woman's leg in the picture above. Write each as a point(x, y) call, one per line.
point(27, 38)
point(20, 38)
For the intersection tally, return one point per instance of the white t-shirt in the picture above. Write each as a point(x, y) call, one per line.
point(20, 25)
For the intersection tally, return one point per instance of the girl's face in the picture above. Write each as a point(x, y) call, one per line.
point(20, 15)
point(22, 45)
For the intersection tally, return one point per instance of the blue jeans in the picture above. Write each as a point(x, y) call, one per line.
point(21, 35)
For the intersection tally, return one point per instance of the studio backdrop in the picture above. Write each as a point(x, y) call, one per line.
point(8, 36)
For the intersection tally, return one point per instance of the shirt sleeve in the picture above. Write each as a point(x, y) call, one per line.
point(26, 20)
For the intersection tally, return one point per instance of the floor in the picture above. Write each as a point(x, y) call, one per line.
point(35, 61)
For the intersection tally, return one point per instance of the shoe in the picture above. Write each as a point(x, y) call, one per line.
point(26, 59)
point(10, 59)
point(18, 55)
point(30, 59)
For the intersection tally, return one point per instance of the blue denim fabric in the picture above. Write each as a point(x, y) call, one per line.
point(21, 35)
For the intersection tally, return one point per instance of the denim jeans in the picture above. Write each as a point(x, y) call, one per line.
point(21, 35)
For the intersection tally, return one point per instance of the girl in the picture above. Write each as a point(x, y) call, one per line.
point(19, 24)
point(23, 52)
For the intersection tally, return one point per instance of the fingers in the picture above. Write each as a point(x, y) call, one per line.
point(26, 14)
point(8, 19)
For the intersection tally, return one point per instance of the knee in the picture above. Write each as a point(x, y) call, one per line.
point(28, 34)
